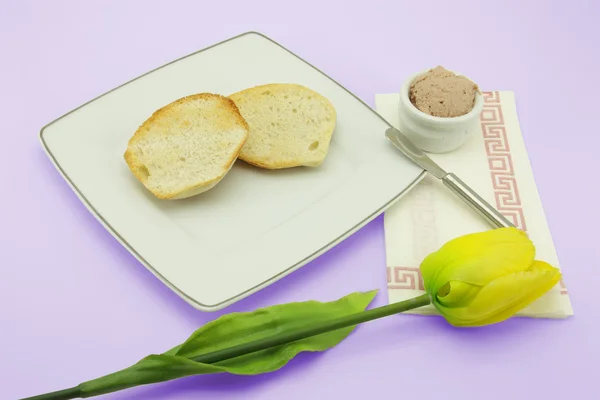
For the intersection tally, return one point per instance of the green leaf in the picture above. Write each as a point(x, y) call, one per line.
point(235, 329)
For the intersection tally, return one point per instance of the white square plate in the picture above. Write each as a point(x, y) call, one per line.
point(254, 227)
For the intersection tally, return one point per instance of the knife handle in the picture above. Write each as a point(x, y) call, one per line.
point(475, 201)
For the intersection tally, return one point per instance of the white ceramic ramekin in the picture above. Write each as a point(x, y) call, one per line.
point(435, 134)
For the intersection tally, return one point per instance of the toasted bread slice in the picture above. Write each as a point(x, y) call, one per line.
point(290, 125)
point(188, 146)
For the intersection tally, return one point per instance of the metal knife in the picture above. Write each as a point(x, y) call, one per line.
point(450, 180)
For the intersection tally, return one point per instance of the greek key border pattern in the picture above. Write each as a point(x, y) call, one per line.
point(504, 183)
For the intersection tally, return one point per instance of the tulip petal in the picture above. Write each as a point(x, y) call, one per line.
point(457, 294)
point(478, 258)
point(505, 296)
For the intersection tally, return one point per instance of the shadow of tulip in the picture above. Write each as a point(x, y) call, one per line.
point(494, 339)
point(367, 340)
point(202, 385)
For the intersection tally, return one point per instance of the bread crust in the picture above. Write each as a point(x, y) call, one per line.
point(240, 97)
point(137, 167)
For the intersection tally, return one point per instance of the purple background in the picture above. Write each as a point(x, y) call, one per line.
point(75, 305)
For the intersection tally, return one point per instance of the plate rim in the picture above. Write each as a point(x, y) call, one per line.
point(225, 303)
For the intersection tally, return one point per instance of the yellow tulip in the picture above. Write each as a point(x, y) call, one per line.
point(485, 278)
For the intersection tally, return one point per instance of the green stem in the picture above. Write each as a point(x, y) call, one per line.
point(303, 333)
point(277, 340)
point(72, 393)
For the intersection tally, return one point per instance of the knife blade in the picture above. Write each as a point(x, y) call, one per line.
point(450, 180)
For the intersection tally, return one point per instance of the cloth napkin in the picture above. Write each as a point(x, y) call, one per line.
point(495, 164)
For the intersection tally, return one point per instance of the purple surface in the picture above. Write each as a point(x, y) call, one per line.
point(75, 305)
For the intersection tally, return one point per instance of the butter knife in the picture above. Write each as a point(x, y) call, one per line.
point(451, 181)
